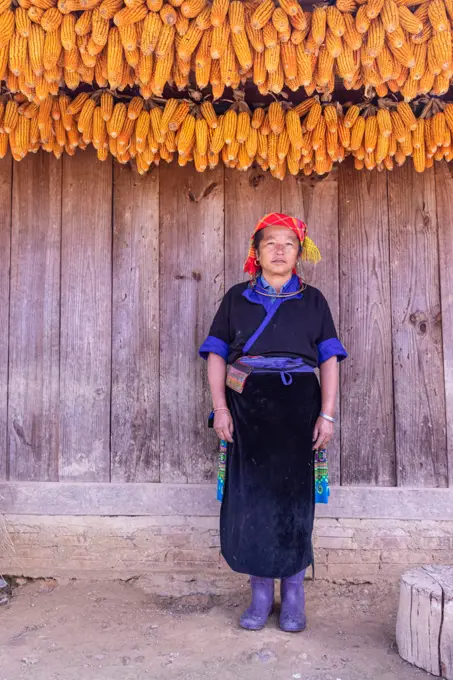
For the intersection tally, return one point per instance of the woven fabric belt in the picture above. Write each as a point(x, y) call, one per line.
point(283, 365)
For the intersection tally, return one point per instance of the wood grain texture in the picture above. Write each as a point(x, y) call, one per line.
point(33, 423)
point(316, 203)
point(419, 619)
point(444, 201)
point(135, 327)
point(248, 197)
point(443, 574)
point(86, 274)
point(419, 394)
point(191, 286)
point(367, 439)
point(6, 170)
point(389, 265)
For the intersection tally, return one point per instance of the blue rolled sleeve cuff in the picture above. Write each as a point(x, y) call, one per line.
point(214, 345)
point(330, 348)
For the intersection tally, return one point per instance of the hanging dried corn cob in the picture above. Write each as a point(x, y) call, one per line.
point(398, 46)
point(308, 138)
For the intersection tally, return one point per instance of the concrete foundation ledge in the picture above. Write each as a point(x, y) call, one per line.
point(138, 500)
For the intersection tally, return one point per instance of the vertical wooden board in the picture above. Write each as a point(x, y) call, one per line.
point(5, 256)
point(248, 197)
point(444, 200)
point(191, 285)
point(33, 428)
point(135, 327)
point(315, 202)
point(367, 439)
point(86, 318)
point(420, 427)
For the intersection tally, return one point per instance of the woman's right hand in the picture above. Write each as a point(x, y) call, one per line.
point(223, 425)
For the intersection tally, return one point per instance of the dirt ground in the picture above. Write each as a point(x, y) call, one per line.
point(116, 631)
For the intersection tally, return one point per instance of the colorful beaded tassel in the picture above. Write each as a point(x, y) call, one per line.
point(322, 490)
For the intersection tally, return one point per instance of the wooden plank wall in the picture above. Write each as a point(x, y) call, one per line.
point(191, 284)
point(34, 314)
point(367, 432)
point(135, 327)
point(418, 367)
point(5, 268)
point(109, 282)
point(86, 319)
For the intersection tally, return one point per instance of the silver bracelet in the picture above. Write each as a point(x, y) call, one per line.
point(324, 415)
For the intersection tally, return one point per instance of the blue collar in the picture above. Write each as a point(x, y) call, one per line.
point(291, 286)
point(265, 285)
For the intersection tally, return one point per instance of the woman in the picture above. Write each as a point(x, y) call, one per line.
point(263, 346)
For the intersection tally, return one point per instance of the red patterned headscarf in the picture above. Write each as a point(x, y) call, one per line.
point(310, 252)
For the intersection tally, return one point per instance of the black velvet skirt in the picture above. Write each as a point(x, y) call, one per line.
point(268, 506)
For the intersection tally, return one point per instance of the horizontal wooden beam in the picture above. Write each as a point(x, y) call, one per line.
point(93, 498)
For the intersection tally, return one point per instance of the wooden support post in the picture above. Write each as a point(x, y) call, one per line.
point(424, 626)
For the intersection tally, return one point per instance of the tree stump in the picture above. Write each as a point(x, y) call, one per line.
point(424, 625)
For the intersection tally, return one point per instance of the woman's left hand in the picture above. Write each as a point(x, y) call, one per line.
point(322, 433)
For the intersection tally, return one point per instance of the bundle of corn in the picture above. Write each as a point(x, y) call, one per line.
point(401, 50)
point(121, 43)
point(308, 138)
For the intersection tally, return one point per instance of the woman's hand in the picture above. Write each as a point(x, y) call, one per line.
point(322, 433)
point(223, 425)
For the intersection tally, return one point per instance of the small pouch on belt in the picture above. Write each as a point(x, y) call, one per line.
point(237, 375)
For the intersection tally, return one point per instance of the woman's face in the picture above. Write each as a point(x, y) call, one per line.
point(278, 251)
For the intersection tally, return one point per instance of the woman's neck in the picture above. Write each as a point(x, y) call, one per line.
point(277, 281)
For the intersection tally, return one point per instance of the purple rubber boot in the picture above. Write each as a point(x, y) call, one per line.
point(255, 617)
point(292, 613)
